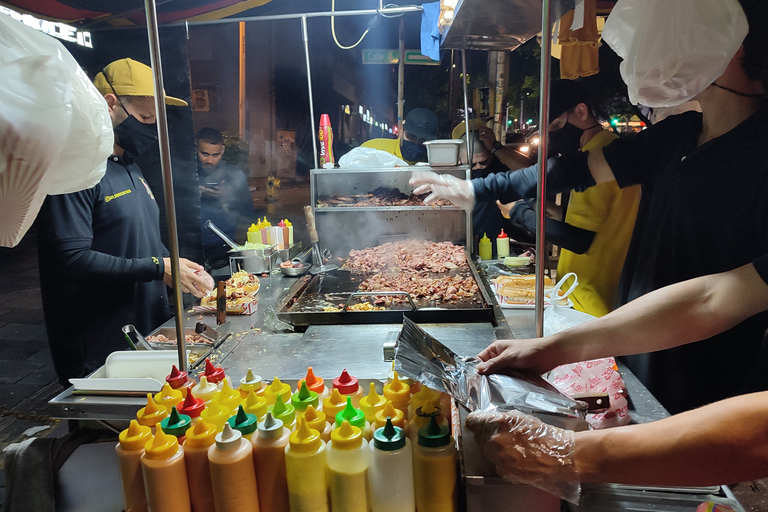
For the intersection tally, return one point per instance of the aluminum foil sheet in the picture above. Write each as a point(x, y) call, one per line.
point(421, 357)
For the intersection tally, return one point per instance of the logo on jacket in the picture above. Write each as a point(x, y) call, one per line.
point(115, 196)
point(149, 190)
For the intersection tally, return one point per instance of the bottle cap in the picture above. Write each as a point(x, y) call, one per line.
point(314, 383)
point(217, 414)
point(345, 383)
point(417, 400)
point(162, 446)
point(205, 390)
point(305, 439)
point(243, 422)
point(371, 403)
point(325, 120)
point(397, 416)
point(228, 439)
point(485, 238)
point(176, 424)
point(270, 428)
point(336, 399)
point(428, 409)
point(396, 391)
point(229, 397)
point(277, 388)
point(283, 411)
point(434, 435)
point(354, 416)
point(191, 406)
point(213, 373)
point(152, 413)
point(200, 434)
point(135, 436)
point(176, 378)
point(255, 404)
point(304, 397)
point(250, 381)
point(168, 397)
point(315, 419)
point(503, 234)
point(346, 437)
point(389, 437)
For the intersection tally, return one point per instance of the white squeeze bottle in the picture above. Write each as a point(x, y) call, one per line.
point(390, 474)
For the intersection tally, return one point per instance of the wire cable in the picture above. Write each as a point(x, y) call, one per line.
point(333, 31)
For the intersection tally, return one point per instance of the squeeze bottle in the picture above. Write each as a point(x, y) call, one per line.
point(277, 388)
point(179, 380)
point(229, 397)
point(371, 403)
point(165, 474)
point(348, 469)
point(129, 450)
point(206, 391)
point(347, 385)
point(390, 475)
point(434, 469)
point(200, 437)
point(317, 420)
point(214, 374)
point(396, 416)
point(417, 399)
point(355, 417)
point(269, 460)
point(176, 424)
point(233, 478)
point(428, 410)
point(290, 232)
point(502, 245)
point(151, 414)
point(284, 412)
point(315, 383)
point(168, 397)
point(217, 414)
point(306, 470)
point(255, 404)
point(244, 423)
point(333, 404)
point(303, 398)
point(191, 406)
point(399, 393)
point(251, 382)
point(325, 138)
point(485, 248)
point(252, 234)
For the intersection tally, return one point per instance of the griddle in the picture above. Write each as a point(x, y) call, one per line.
point(303, 302)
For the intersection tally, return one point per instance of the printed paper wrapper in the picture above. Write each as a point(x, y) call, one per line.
point(247, 309)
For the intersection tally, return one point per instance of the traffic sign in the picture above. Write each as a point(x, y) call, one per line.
point(391, 57)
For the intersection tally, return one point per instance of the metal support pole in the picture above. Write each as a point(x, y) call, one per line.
point(541, 192)
point(305, 37)
point(470, 234)
point(165, 165)
point(400, 78)
point(241, 88)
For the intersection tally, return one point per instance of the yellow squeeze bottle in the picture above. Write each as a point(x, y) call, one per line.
point(399, 393)
point(418, 399)
point(151, 414)
point(277, 388)
point(434, 469)
point(216, 414)
point(306, 470)
point(229, 397)
point(199, 438)
point(129, 450)
point(317, 420)
point(165, 474)
point(395, 415)
point(348, 469)
point(255, 404)
point(485, 249)
point(371, 403)
point(333, 404)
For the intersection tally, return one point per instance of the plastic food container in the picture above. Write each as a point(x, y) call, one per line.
point(443, 151)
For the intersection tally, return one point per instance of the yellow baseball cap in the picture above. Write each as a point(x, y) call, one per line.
point(474, 125)
point(130, 78)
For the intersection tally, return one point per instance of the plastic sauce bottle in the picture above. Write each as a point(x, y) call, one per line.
point(317, 420)
point(165, 474)
point(191, 406)
point(390, 475)
point(333, 404)
point(371, 403)
point(151, 414)
point(306, 470)
point(396, 416)
point(200, 436)
point(325, 138)
point(217, 414)
point(179, 380)
point(485, 249)
point(434, 469)
point(251, 382)
point(502, 245)
point(315, 383)
point(206, 391)
point(355, 417)
point(424, 414)
point(417, 399)
point(399, 393)
point(277, 388)
point(233, 477)
point(269, 460)
point(244, 423)
point(176, 424)
point(348, 469)
point(284, 412)
point(347, 385)
point(214, 374)
point(129, 450)
point(229, 397)
point(255, 404)
point(303, 398)
point(168, 397)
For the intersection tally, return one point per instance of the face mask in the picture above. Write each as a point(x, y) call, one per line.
point(565, 140)
point(135, 137)
point(413, 151)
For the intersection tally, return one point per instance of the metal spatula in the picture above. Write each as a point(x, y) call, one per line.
point(317, 258)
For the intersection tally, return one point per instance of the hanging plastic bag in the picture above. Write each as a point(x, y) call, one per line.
point(55, 129)
point(672, 51)
point(370, 158)
point(559, 317)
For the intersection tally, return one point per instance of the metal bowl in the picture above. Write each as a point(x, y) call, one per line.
point(294, 272)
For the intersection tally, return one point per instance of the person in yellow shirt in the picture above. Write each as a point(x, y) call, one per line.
point(599, 221)
point(420, 125)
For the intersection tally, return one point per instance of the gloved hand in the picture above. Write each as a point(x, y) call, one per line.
point(526, 450)
point(443, 186)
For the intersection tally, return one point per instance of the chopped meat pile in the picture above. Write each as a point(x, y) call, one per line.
point(409, 255)
point(189, 338)
point(448, 288)
point(381, 196)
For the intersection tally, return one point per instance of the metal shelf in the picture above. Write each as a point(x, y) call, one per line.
point(336, 209)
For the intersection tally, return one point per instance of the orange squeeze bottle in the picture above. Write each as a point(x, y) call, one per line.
point(129, 450)
point(315, 383)
point(269, 460)
point(200, 437)
point(233, 477)
point(165, 474)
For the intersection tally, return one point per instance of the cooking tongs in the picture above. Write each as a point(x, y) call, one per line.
point(318, 267)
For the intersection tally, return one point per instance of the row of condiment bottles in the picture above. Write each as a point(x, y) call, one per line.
point(265, 233)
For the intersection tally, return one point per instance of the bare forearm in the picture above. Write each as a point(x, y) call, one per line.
point(721, 443)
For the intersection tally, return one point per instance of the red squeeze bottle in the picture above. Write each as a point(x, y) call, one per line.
point(326, 141)
point(179, 380)
point(214, 374)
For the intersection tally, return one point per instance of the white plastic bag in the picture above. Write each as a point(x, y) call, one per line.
point(673, 50)
point(55, 130)
point(370, 158)
point(559, 318)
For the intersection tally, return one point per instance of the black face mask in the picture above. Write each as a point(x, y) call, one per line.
point(413, 151)
point(565, 140)
point(134, 136)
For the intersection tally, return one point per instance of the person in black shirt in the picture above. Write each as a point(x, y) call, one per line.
point(102, 263)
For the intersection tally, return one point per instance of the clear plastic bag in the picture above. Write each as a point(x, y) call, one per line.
point(370, 158)
point(559, 318)
point(55, 129)
point(672, 51)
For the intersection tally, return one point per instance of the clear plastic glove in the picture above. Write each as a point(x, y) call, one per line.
point(194, 279)
point(443, 186)
point(526, 450)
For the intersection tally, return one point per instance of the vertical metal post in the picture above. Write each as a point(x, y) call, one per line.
point(165, 165)
point(241, 89)
point(541, 192)
point(400, 77)
point(470, 235)
point(305, 37)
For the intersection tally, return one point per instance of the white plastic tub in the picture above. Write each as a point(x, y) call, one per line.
point(443, 151)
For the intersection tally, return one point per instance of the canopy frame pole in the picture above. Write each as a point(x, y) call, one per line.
point(470, 235)
point(305, 37)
